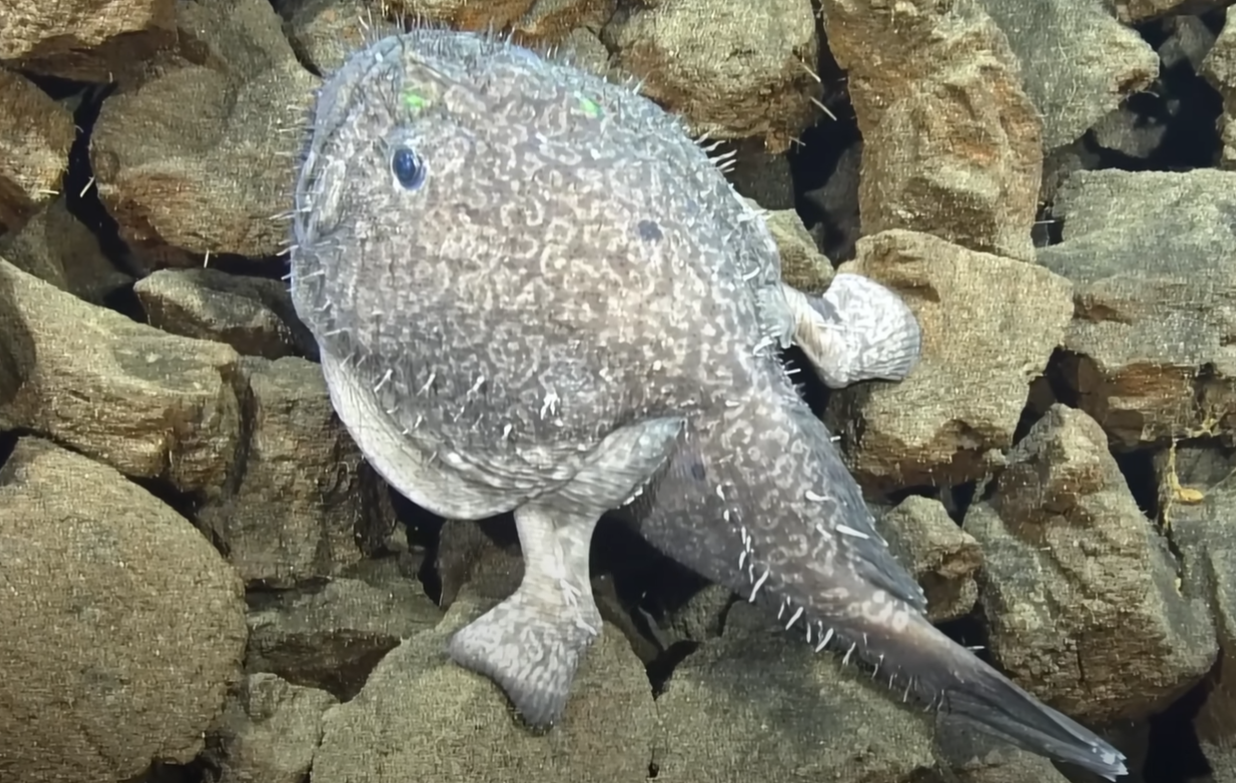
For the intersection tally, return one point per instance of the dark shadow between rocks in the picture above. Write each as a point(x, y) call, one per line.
point(1174, 754)
point(1140, 475)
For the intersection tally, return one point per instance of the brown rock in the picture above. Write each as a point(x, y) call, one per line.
point(332, 637)
point(1219, 68)
point(35, 136)
point(324, 32)
point(990, 324)
point(1079, 589)
point(1137, 11)
point(745, 74)
point(302, 501)
point(129, 626)
point(55, 247)
point(1150, 349)
point(252, 314)
point(951, 143)
point(268, 733)
point(421, 717)
point(1096, 62)
point(803, 266)
point(551, 21)
point(942, 557)
point(149, 404)
point(86, 40)
point(200, 158)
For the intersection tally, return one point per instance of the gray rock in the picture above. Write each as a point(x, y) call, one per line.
point(85, 369)
point(253, 315)
point(1137, 11)
point(989, 324)
point(420, 717)
point(1188, 42)
point(1150, 343)
point(332, 637)
point(1130, 133)
point(1079, 589)
point(268, 733)
point(1095, 62)
point(803, 266)
point(126, 628)
point(941, 556)
point(761, 176)
point(1219, 68)
point(974, 758)
point(951, 143)
point(757, 704)
point(35, 136)
point(302, 503)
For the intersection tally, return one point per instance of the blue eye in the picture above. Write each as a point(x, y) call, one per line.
point(408, 169)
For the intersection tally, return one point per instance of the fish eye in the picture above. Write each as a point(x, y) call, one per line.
point(408, 168)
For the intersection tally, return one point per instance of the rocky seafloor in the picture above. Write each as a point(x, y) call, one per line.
point(202, 580)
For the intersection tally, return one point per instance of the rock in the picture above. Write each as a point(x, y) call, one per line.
point(990, 324)
point(199, 158)
point(941, 556)
point(1219, 68)
point(252, 314)
point(303, 503)
point(421, 717)
point(760, 176)
point(951, 143)
point(1079, 589)
point(86, 40)
point(1131, 133)
point(35, 136)
point(585, 49)
point(1188, 42)
point(464, 14)
point(150, 404)
point(976, 758)
point(759, 704)
point(552, 21)
point(55, 247)
point(1149, 344)
point(802, 264)
point(268, 733)
point(1197, 489)
point(1060, 164)
point(331, 638)
point(1096, 62)
point(324, 32)
point(130, 625)
point(749, 77)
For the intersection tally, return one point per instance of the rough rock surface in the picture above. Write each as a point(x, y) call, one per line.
point(1151, 345)
point(129, 626)
point(1079, 589)
point(802, 264)
point(35, 135)
point(951, 143)
point(942, 557)
point(1135, 11)
point(1219, 68)
point(1095, 63)
point(749, 75)
point(269, 732)
point(990, 325)
point(76, 370)
point(200, 158)
point(301, 503)
point(253, 315)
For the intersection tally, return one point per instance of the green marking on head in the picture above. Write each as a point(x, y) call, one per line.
point(589, 107)
point(415, 101)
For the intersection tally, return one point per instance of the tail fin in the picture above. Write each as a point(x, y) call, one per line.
point(955, 680)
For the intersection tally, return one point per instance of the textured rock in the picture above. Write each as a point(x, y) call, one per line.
point(199, 158)
point(989, 324)
point(745, 75)
point(268, 733)
point(1137, 11)
point(758, 704)
point(421, 717)
point(324, 32)
point(802, 264)
point(303, 504)
point(55, 247)
point(1096, 62)
point(130, 626)
point(1079, 589)
point(1219, 68)
point(251, 314)
point(951, 143)
point(1151, 353)
point(35, 136)
point(941, 556)
point(332, 637)
point(88, 40)
point(86, 368)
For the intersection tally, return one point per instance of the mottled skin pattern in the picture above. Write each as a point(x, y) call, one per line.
point(533, 292)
